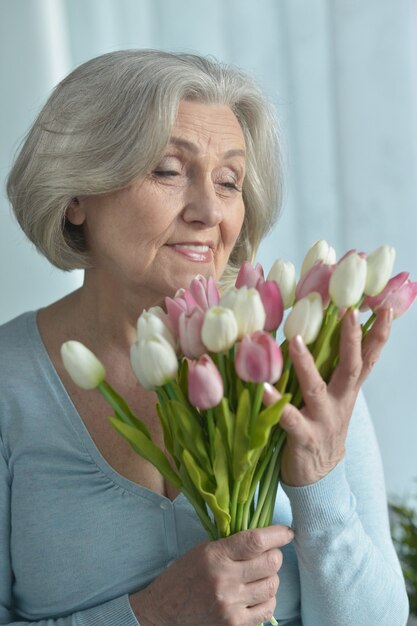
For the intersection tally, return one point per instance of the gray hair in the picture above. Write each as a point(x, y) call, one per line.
point(109, 121)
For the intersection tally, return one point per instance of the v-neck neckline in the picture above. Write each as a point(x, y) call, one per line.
point(78, 424)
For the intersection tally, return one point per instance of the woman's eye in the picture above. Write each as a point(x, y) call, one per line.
point(166, 173)
point(231, 185)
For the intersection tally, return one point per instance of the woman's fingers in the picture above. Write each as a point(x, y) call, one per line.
point(313, 388)
point(346, 377)
point(374, 341)
point(261, 590)
point(250, 544)
point(268, 564)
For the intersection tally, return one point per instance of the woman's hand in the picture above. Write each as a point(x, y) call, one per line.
point(229, 582)
point(316, 434)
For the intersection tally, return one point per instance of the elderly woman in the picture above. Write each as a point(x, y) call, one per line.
point(147, 168)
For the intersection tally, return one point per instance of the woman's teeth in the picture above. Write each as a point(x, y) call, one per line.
point(191, 247)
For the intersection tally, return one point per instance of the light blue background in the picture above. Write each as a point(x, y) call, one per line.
point(343, 75)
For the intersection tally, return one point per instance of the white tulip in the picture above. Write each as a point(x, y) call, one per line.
point(305, 318)
point(219, 331)
point(228, 299)
point(319, 251)
point(247, 306)
point(347, 282)
point(283, 273)
point(379, 269)
point(154, 321)
point(154, 361)
point(82, 365)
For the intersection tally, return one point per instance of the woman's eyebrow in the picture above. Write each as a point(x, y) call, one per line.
point(189, 145)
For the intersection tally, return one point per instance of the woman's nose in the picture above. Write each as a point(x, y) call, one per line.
point(202, 203)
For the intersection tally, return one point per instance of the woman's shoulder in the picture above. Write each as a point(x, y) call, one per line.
point(16, 340)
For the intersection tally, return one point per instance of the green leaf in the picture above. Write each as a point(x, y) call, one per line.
point(226, 422)
point(147, 449)
point(188, 430)
point(241, 441)
point(326, 347)
point(122, 409)
point(183, 377)
point(221, 471)
point(282, 383)
point(245, 485)
point(207, 490)
point(263, 423)
point(168, 435)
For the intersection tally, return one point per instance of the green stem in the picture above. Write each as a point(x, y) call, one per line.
point(233, 506)
point(119, 405)
point(359, 303)
point(257, 403)
point(368, 324)
point(268, 508)
point(249, 507)
point(219, 359)
point(169, 388)
point(211, 432)
point(202, 515)
point(265, 488)
point(239, 517)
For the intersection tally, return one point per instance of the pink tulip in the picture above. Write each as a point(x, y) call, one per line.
point(259, 358)
point(190, 326)
point(204, 292)
point(271, 299)
point(175, 306)
point(398, 295)
point(316, 279)
point(205, 385)
point(248, 275)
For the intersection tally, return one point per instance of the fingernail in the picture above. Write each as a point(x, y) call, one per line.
point(299, 344)
point(354, 318)
point(390, 315)
point(291, 533)
point(270, 395)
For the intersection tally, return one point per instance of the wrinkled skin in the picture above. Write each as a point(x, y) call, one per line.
point(230, 582)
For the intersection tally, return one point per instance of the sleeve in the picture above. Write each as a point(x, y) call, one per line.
point(349, 571)
point(116, 612)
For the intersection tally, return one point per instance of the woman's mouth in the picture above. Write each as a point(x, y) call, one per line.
point(199, 253)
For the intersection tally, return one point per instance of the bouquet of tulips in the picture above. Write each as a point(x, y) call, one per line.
point(208, 357)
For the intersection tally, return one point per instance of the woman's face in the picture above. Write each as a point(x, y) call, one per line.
point(179, 220)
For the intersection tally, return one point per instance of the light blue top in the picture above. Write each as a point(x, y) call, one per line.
point(77, 537)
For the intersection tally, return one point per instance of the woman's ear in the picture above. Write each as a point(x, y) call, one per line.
point(75, 212)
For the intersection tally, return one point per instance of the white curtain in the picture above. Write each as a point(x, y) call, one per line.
point(342, 74)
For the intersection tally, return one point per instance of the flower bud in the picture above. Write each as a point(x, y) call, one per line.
point(272, 303)
point(398, 295)
point(305, 318)
point(259, 358)
point(348, 281)
point(82, 365)
point(190, 333)
point(154, 361)
point(205, 384)
point(379, 269)
point(204, 292)
point(175, 306)
point(283, 273)
point(248, 275)
point(316, 279)
point(155, 321)
point(319, 251)
point(229, 297)
point(247, 306)
point(219, 331)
